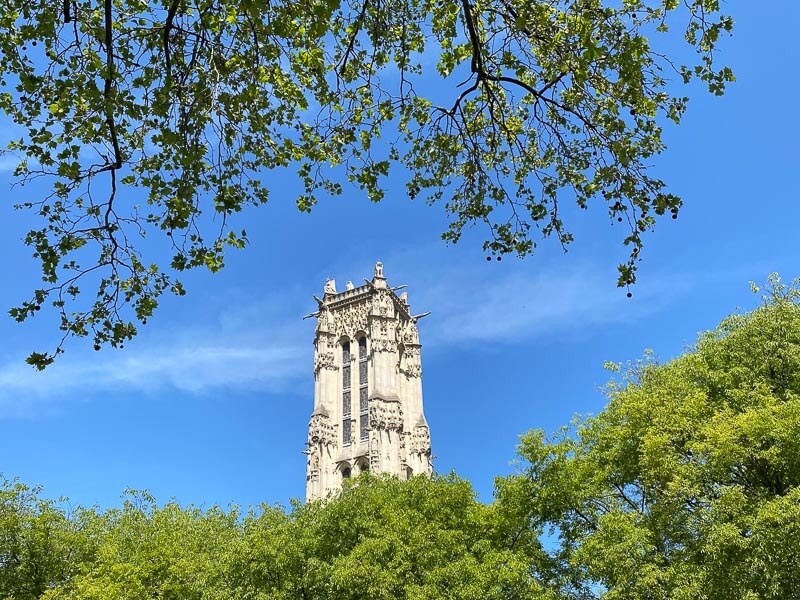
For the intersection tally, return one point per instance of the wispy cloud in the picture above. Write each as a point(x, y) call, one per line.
point(246, 345)
point(227, 353)
point(525, 305)
point(516, 301)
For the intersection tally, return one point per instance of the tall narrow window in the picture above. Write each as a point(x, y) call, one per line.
point(346, 404)
point(362, 389)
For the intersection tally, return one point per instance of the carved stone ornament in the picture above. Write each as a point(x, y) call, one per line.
point(411, 351)
point(385, 415)
point(352, 318)
point(324, 353)
point(324, 360)
point(320, 432)
point(410, 361)
point(413, 370)
point(384, 345)
point(313, 466)
point(407, 332)
point(382, 304)
point(421, 441)
point(325, 321)
point(374, 455)
point(383, 336)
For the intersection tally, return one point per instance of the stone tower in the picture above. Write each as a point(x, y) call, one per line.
point(367, 388)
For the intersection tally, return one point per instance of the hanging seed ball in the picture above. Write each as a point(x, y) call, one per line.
point(489, 258)
point(629, 295)
point(619, 219)
point(499, 258)
point(674, 215)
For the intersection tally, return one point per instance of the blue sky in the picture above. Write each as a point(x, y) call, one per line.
point(210, 404)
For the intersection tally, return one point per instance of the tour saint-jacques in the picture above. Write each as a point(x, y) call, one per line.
point(368, 412)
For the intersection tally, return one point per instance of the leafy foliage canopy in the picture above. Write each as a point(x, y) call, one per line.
point(169, 117)
point(686, 486)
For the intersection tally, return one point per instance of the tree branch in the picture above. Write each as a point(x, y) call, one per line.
point(108, 87)
point(173, 9)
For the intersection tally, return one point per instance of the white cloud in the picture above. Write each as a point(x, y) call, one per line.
point(514, 301)
point(263, 345)
point(260, 353)
point(521, 306)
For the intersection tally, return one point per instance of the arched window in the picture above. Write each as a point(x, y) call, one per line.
point(346, 403)
point(346, 473)
point(363, 403)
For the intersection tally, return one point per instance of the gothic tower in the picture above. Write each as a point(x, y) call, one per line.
point(367, 388)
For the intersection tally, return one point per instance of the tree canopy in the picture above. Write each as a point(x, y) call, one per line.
point(421, 539)
point(687, 485)
point(168, 118)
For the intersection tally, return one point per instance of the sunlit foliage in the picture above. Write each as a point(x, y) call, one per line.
point(170, 117)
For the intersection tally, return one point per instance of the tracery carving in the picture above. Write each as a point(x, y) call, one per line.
point(321, 432)
point(383, 337)
point(413, 370)
point(384, 345)
point(324, 354)
point(410, 363)
point(407, 332)
point(324, 360)
point(313, 466)
point(411, 350)
point(351, 318)
point(374, 456)
point(382, 304)
point(421, 440)
point(385, 415)
point(325, 320)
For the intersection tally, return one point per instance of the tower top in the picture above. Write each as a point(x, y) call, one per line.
point(377, 291)
point(378, 281)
